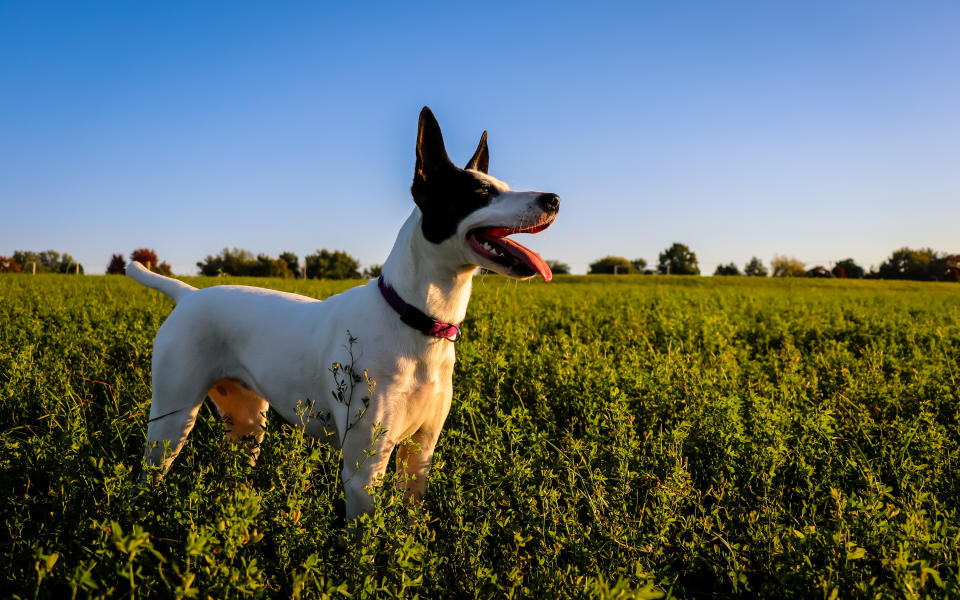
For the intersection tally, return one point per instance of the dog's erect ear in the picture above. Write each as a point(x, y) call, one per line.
point(431, 154)
point(481, 158)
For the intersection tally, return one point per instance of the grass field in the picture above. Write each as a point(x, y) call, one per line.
point(610, 437)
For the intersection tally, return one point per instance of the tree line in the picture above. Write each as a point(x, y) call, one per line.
point(48, 261)
point(237, 262)
point(923, 264)
point(678, 259)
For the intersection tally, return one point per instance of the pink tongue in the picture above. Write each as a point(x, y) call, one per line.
point(526, 256)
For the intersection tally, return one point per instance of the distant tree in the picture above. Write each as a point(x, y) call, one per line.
point(332, 265)
point(373, 271)
point(730, 269)
point(9, 265)
point(819, 271)
point(117, 265)
point(242, 263)
point(236, 262)
point(847, 269)
point(148, 258)
point(268, 267)
point(951, 265)
point(48, 261)
point(787, 266)
point(921, 265)
point(293, 263)
point(558, 268)
point(640, 264)
point(755, 268)
point(611, 264)
point(31, 261)
point(678, 260)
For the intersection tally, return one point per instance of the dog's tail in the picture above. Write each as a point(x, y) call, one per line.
point(171, 287)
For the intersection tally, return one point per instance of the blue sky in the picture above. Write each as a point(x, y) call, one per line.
point(820, 130)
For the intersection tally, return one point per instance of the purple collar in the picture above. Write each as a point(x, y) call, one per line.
point(415, 318)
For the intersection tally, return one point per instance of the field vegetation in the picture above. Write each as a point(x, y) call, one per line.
point(611, 437)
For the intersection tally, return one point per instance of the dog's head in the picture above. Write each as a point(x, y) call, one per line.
point(473, 212)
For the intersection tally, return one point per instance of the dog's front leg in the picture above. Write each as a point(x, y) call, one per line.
point(414, 458)
point(366, 453)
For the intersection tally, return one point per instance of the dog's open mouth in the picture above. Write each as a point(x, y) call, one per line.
point(493, 244)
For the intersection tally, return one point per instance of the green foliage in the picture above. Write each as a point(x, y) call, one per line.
point(242, 263)
point(612, 264)
point(819, 271)
point(372, 272)
point(755, 268)
point(729, 269)
point(48, 261)
point(610, 437)
point(292, 262)
point(678, 260)
point(558, 268)
point(848, 269)
point(921, 265)
point(332, 265)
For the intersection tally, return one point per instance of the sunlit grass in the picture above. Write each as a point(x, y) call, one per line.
point(731, 437)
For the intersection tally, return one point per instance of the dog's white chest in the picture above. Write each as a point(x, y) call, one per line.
point(422, 394)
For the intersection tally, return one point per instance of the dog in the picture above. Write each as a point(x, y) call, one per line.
point(363, 370)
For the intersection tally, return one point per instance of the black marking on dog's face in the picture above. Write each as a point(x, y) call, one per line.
point(445, 193)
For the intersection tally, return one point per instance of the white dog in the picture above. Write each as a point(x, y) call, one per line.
point(364, 369)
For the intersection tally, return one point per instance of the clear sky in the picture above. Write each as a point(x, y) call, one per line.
point(820, 130)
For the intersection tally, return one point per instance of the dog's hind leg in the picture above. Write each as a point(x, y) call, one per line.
point(179, 389)
point(242, 411)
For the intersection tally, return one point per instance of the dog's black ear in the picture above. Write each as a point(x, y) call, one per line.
point(431, 154)
point(481, 158)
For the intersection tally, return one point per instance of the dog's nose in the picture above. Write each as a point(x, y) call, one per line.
point(549, 202)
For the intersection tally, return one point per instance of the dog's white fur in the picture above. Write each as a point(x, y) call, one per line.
point(249, 347)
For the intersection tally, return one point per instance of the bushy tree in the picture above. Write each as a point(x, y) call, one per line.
point(293, 263)
point(242, 263)
point(919, 265)
point(117, 265)
point(48, 261)
point(755, 268)
point(373, 271)
point(611, 264)
point(787, 266)
point(848, 269)
point(265, 266)
point(9, 265)
point(678, 259)
point(236, 262)
point(145, 256)
point(728, 269)
point(148, 258)
point(819, 271)
point(640, 264)
point(558, 268)
point(951, 264)
point(324, 264)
